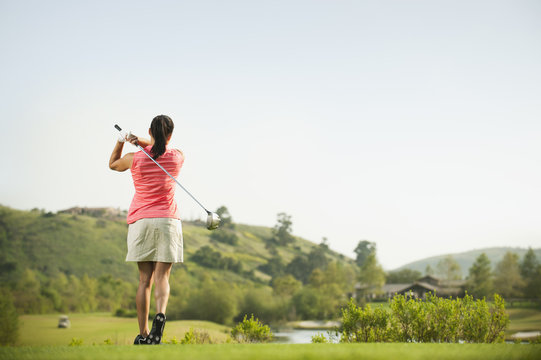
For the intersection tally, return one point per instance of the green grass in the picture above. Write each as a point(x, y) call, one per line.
point(279, 351)
point(96, 328)
point(524, 320)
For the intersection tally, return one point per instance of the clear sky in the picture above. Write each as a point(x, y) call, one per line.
point(413, 124)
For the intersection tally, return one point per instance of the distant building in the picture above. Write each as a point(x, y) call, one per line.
point(418, 289)
point(106, 212)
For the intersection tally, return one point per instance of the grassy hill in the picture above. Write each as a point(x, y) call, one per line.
point(466, 259)
point(96, 245)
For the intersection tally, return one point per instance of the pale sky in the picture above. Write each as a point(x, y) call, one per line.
point(412, 124)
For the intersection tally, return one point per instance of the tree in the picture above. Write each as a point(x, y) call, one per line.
point(207, 257)
point(282, 230)
point(317, 258)
point(9, 331)
point(479, 282)
point(226, 221)
point(212, 301)
point(301, 266)
point(507, 281)
point(28, 299)
point(536, 284)
point(372, 275)
point(274, 266)
point(448, 269)
point(224, 235)
point(324, 243)
point(528, 270)
point(403, 276)
point(363, 250)
point(285, 285)
point(428, 270)
point(326, 292)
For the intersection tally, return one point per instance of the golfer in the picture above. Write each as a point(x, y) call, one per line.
point(154, 230)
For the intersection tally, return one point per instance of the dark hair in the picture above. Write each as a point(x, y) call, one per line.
point(161, 127)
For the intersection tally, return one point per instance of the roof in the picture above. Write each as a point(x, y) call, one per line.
point(394, 288)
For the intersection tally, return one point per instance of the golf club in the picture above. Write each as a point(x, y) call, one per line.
point(213, 220)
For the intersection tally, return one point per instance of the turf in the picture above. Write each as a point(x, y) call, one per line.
point(524, 320)
point(98, 328)
point(280, 351)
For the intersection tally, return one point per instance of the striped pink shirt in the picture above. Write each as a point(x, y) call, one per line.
point(154, 190)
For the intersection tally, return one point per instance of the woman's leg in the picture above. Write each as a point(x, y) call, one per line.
point(142, 299)
point(161, 285)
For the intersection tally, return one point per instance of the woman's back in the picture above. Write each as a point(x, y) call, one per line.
point(154, 190)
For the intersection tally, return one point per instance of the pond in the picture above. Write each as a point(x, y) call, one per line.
point(297, 336)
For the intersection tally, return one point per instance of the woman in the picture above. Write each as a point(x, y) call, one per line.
point(154, 230)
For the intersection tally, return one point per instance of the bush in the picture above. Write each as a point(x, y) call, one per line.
point(125, 313)
point(9, 331)
point(319, 338)
point(434, 319)
point(251, 331)
point(215, 302)
point(263, 304)
point(208, 257)
point(75, 342)
point(196, 337)
point(365, 325)
point(224, 236)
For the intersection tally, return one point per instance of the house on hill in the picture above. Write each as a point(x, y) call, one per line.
point(418, 289)
point(109, 213)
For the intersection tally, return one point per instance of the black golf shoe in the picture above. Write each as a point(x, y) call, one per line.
point(139, 340)
point(156, 333)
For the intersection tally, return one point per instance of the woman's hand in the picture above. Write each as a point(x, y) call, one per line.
point(132, 139)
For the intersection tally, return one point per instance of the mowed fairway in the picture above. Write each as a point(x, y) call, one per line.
point(95, 329)
point(279, 351)
point(524, 320)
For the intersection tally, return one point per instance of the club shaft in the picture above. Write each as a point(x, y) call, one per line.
point(172, 177)
point(167, 172)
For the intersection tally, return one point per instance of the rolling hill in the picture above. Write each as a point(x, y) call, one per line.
point(466, 259)
point(94, 243)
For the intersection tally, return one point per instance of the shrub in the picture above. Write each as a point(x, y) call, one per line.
point(9, 331)
point(224, 236)
point(319, 338)
point(434, 319)
point(75, 342)
point(263, 304)
point(125, 313)
point(213, 301)
point(251, 331)
point(196, 337)
point(499, 320)
point(364, 325)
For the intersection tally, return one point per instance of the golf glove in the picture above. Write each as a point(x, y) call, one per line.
point(123, 136)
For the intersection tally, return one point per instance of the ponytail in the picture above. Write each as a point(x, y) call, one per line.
point(160, 128)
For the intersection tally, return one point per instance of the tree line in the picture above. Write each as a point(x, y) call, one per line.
point(512, 277)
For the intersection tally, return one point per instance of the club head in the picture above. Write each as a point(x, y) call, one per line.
point(213, 221)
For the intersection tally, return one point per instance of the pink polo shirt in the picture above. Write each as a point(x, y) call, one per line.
point(154, 190)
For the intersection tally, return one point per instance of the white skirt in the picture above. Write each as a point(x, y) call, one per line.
point(155, 239)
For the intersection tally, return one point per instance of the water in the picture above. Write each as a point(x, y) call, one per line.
point(297, 336)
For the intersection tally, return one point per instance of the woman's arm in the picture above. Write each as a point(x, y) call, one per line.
point(138, 140)
point(118, 163)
